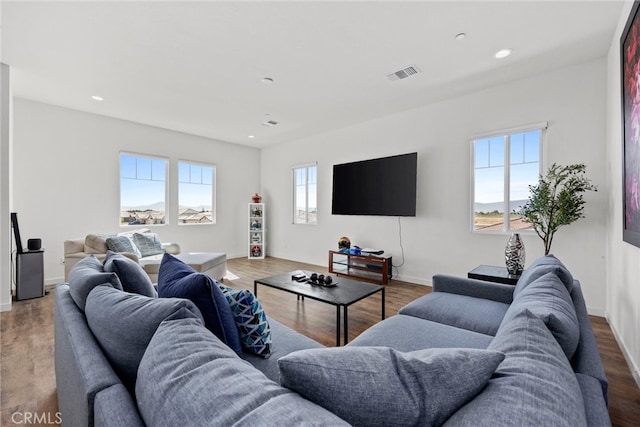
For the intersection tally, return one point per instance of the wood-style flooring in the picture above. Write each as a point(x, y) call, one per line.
point(27, 378)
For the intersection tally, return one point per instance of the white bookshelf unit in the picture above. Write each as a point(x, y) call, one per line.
point(257, 231)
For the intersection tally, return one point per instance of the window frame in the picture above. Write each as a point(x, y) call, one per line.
point(506, 133)
point(214, 215)
point(167, 210)
point(305, 166)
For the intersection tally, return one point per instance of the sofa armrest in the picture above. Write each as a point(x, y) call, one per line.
point(171, 248)
point(73, 246)
point(473, 288)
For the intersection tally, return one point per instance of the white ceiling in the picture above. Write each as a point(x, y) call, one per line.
point(197, 67)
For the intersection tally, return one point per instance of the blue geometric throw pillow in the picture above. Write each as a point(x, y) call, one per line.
point(255, 333)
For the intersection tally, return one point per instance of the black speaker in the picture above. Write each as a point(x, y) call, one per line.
point(34, 244)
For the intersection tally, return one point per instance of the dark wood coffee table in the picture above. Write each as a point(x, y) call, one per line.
point(345, 293)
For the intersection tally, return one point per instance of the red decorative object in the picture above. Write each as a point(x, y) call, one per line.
point(256, 198)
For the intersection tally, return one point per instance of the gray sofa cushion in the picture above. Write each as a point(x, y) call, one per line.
point(534, 384)
point(379, 386)
point(540, 267)
point(114, 406)
point(123, 324)
point(188, 377)
point(86, 275)
point(131, 274)
point(594, 404)
point(285, 341)
point(474, 314)
point(408, 333)
point(547, 298)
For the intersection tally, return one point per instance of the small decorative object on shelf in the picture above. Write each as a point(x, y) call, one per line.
point(344, 244)
point(256, 231)
point(514, 254)
point(256, 251)
point(257, 198)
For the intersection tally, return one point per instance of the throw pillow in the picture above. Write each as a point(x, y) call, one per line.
point(379, 386)
point(547, 298)
point(132, 276)
point(123, 323)
point(122, 244)
point(96, 243)
point(534, 385)
point(540, 267)
point(188, 377)
point(252, 322)
point(86, 275)
point(178, 280)
point(148, 243)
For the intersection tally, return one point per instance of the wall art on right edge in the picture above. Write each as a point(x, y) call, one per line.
point(630, 79)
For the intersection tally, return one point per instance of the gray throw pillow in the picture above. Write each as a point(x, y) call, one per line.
point(534, 385)
point(379, 386)
point(131, 274)
point(188, 377)
point(86, 275)
point(148, 243)
point(540, 267)
point(547, 298)
point(122, 244)
point(123, 323)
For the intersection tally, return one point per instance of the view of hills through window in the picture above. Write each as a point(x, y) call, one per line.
point(195, 191)
point(504, 167)
point(144, 189)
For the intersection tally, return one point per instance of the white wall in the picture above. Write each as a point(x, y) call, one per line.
point(66, 179)
point(438, 239)
point(5, 173)
point(623, 267)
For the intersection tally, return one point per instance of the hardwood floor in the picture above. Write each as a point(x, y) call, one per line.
point(27, 379)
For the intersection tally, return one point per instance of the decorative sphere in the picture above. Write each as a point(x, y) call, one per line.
point(344, 244)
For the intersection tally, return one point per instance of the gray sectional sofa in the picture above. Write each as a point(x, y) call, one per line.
point(471, 353)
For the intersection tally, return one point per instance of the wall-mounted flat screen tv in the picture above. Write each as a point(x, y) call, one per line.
point(384, 186)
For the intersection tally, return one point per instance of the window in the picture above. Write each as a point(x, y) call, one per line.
point(195, 193)
point(305, 182)
point(504, 165)
point(143, 189)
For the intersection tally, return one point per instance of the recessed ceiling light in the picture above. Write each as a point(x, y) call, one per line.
point(97, 98)
point(460, 36)
point(267, 80)
point(502, 53)
point(251, 136)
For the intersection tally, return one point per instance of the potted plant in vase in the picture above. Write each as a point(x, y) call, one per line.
point(557, 200)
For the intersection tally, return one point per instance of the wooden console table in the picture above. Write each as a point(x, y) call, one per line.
point(370, 268)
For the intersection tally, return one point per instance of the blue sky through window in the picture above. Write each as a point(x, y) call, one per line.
point(142, 181)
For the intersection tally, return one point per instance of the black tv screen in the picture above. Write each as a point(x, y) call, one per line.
point(384, 186)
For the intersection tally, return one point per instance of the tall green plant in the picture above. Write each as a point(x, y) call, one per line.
point(556, 200)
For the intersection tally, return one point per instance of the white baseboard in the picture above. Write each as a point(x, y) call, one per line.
point(53, 281)
point(625, 352)
point(596, 312)
point(411, 279)
point(5, 307)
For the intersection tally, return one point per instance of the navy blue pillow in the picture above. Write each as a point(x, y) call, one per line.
point(178, 280)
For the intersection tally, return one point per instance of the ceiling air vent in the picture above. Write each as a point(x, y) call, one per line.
point(404, 73)
point(270, 123)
